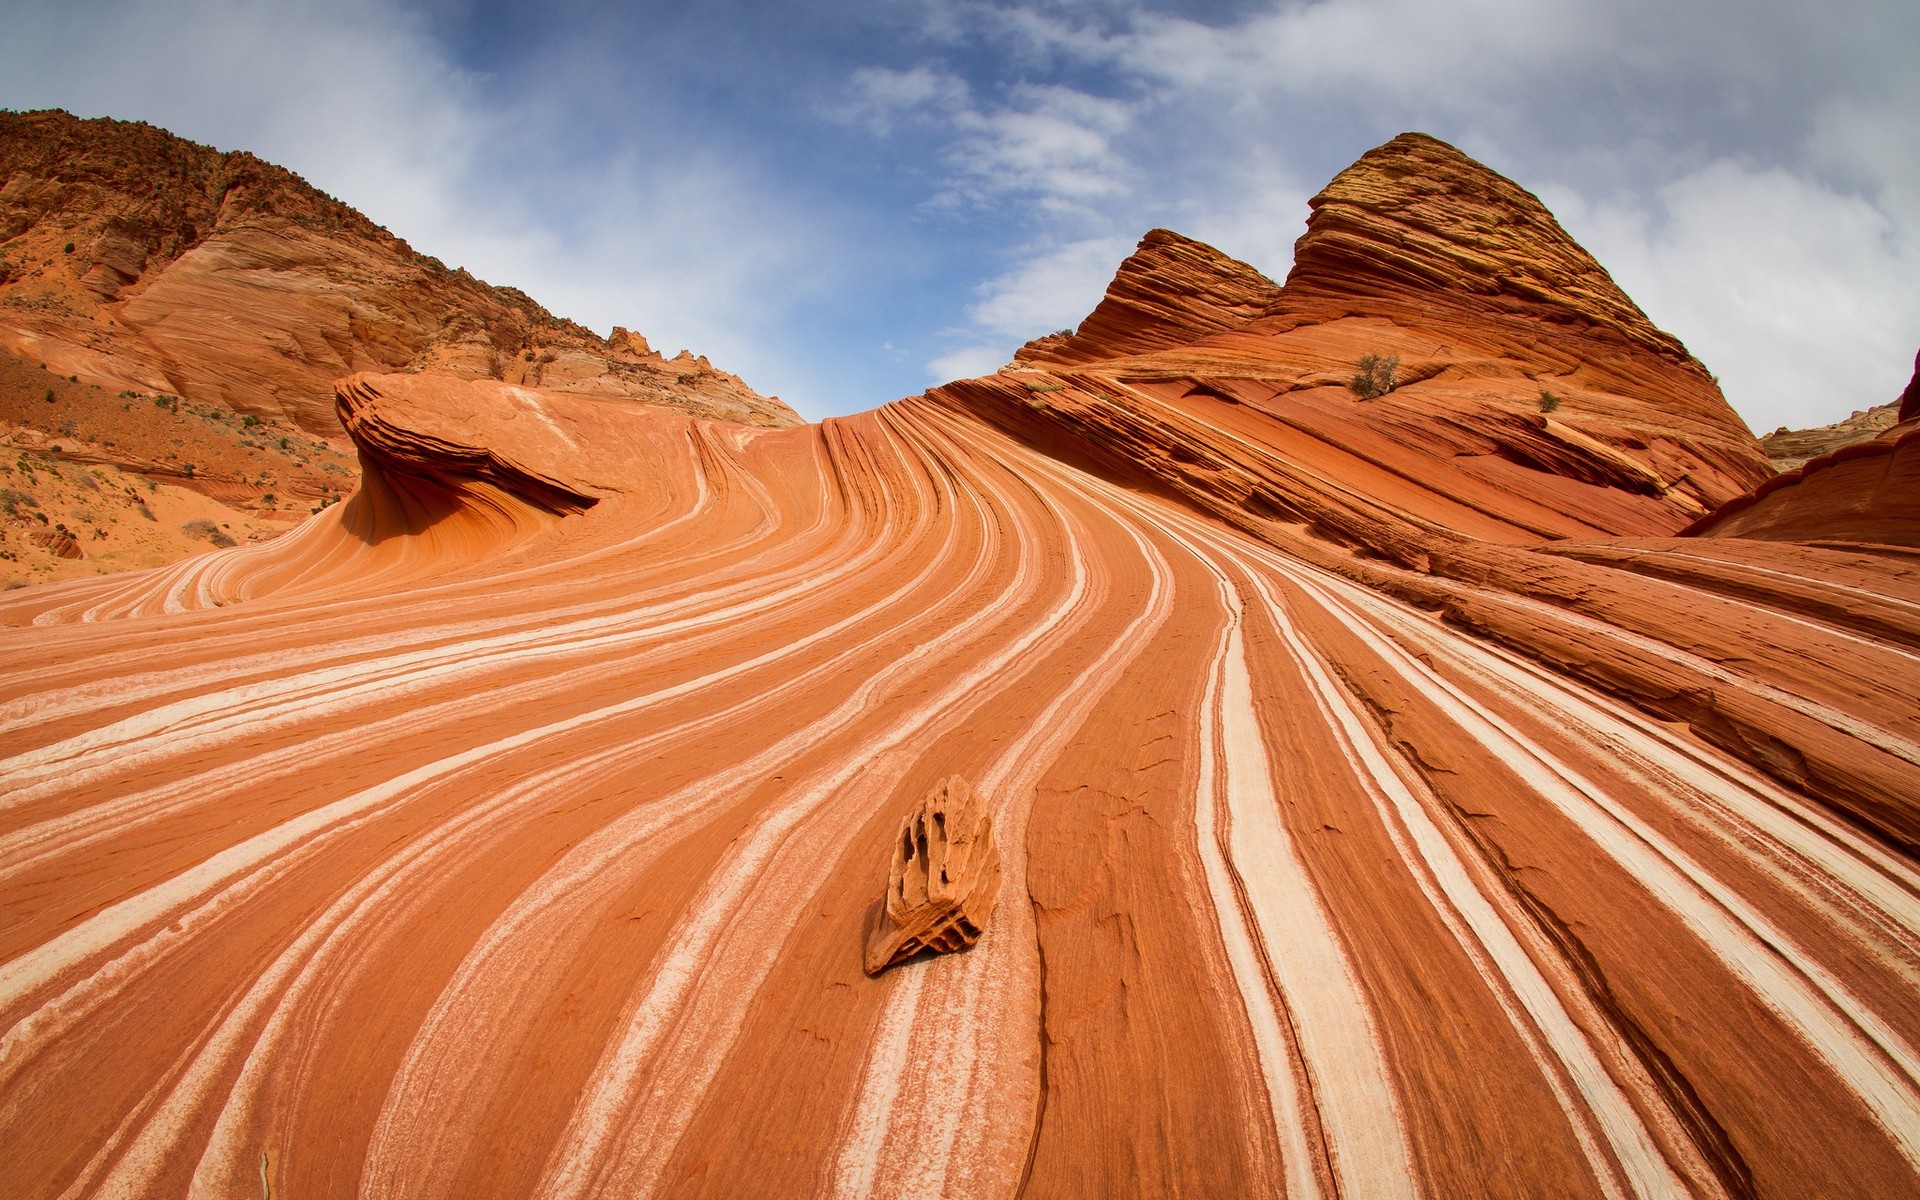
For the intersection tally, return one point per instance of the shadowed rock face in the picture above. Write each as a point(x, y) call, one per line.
point(1380, 785)
point(138, 260)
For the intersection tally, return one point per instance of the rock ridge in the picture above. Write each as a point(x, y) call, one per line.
point(1169, 291)
point(134, 259)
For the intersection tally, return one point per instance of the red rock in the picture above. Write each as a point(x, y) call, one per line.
point(1910, 398)
point(1387, 786)
point(1170, 291)
point(227, 280)
point(59, 542)
point(943, 882)
point(1863, 492)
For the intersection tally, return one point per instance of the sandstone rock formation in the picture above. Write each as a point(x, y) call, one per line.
point(943, 882)
point(1867, 492)
point(1170, 291)
point(1791, 448)
point(136, 260)
point(1397, 806)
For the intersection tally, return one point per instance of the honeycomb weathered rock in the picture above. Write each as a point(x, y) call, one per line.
point(944, 879)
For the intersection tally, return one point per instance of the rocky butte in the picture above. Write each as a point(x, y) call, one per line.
point(1504, 785)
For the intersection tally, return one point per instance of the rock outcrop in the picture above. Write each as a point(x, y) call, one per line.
point(1170, 291)
point(1866, 492)
point(1792, 448)
point(1384, 784)
point(136, 260)
point(943, 882)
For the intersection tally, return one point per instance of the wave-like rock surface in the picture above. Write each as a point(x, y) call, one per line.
point(1377, 816)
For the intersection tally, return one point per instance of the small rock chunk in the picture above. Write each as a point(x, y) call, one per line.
point(944, 879)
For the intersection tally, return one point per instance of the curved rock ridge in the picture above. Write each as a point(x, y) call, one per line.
point(1366, 808)
point(1170, 291)
point(134, 259)
point(1863, 492)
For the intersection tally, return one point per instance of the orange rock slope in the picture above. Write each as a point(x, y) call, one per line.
point(133, 259)
point(1387, 802)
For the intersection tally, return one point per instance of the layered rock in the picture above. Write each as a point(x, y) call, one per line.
point(1170, 291)
point(133, 259)
point(1791, 448)
point(943, 882)
point(1380, 787)
point(1866, 492)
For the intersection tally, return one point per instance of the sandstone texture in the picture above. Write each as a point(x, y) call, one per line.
point(943, 882)
point(1439, 794)
point(1170, 291)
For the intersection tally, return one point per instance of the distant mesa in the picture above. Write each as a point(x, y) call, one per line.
point(943, 881)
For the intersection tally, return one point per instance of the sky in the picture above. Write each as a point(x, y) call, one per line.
point(848, 201)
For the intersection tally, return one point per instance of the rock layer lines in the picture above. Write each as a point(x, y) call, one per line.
point(1388, 802)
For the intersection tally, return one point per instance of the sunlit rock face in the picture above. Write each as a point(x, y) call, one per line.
point(134, 259)
point(1387, 801)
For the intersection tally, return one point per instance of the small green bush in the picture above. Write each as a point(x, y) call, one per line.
point(1375, 376)
point(1548, 401)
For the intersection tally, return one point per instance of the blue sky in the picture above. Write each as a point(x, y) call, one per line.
point(848, 202)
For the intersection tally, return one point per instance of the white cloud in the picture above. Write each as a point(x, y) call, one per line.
point(1799, 297)
point(968, 362)
point(1051, 143)
point(1048, 289)
point(879, 96)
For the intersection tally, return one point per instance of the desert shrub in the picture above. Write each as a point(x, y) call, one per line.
point(1375, 376)
point(1548, 401)
point(249, 421)
point(202, 527)
point(12, 500)
point(50, 398)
